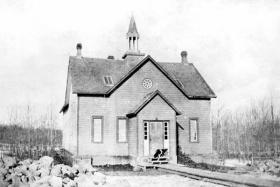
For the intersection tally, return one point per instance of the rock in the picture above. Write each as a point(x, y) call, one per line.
point(41, 181)
point(66, 169)
point(46, 161)
point(25, 162)
point(44, 171)
point(9, 161)
point(70, 184)
point(24, 179)
point(271, 164)
point(3, 171)
point(65, 180)
point(75, 169)
point(1, 164)
point(33, 167)
point(56, 171)
point(55, 181)
point(4, 183)
point(85, 166)
point(275, 170)
point(263, 167)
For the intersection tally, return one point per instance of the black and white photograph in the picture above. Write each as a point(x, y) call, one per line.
point(134, 93)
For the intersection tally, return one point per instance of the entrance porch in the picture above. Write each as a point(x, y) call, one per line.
point(152, 126)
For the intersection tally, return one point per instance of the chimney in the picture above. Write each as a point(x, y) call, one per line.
point(184, 55)
point(79, 50)
point(111, 57)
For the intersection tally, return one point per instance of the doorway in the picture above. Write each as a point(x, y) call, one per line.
point(156, 136)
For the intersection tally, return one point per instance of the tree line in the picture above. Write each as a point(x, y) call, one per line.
point(250, 131)
point(28, 126)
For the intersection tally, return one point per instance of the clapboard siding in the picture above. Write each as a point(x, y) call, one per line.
point(158, 109)
point(70, 124)
point(125, 98)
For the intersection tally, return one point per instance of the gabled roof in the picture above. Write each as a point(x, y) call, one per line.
point(132, 30)
point(86, 76)
point(147, 99)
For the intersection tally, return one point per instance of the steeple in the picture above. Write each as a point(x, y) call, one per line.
point(133, 39)
point(132, 30)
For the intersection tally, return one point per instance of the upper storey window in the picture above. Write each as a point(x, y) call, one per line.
point(108, 80)
point(179, 83)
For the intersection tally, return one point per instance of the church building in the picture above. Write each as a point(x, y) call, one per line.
point(122, 111)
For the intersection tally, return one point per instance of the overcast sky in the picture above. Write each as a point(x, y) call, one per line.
point(234, 44)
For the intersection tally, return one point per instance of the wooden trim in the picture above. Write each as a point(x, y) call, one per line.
point(78, 110)
point(197, 128)
point(162, 70)
point(92, 128)
point(141, 64)
point(92, 95)
point(149, 99)
point(156, 120)
point(117, 129)
point(168, 130)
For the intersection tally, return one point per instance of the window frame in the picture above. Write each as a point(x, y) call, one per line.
point(197, 129)
point(109, 79)
point(117, 129)
point(167, 135)
point(92, 128)
point(179, 83)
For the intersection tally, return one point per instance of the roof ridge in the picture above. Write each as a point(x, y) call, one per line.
point(173, 63)
point(97, 58)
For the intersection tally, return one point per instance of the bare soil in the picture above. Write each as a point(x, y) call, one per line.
point(127, 170)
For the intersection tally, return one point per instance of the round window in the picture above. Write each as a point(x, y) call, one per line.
point(147, 83)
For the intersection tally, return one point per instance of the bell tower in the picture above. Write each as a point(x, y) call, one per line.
point(133, 36)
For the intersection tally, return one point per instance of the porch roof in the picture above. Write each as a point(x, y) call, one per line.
point(147, 99)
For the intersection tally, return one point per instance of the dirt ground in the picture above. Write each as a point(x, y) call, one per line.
point(153, 178)
point(126, 177)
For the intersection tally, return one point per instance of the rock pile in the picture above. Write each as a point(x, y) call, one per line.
point(42, 173)
point(269, 166)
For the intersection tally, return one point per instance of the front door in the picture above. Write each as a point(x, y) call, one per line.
point(156, 137)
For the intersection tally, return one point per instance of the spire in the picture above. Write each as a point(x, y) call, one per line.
point(132, 30)
point(132, 35)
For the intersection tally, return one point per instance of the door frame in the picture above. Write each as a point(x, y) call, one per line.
point(148, 133)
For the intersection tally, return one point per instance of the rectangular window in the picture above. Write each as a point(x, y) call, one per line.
point(145, 130)
point(179, 83)
point(108, 80)
point(122, 129)
point(193, 130)
point(97, 129)
point(166, 130)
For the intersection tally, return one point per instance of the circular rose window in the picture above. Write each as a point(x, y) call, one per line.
point(147, 83)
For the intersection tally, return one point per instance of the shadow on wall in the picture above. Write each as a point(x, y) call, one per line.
point(178, 126)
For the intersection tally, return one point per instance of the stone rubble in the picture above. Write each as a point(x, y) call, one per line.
point(43, 173)
point(269, 166)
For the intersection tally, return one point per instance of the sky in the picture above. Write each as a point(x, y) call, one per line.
point(235, 45)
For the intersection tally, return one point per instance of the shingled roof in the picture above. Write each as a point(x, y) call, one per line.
point(87, 74)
